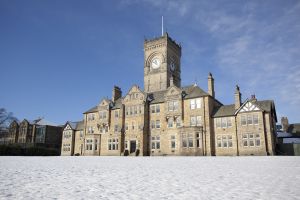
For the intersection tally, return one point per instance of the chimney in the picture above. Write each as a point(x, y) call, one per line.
point(211, 85)
point(237, 98)
point(116, 93)
point(253, 98)
point(284, 124)
point(171, 81)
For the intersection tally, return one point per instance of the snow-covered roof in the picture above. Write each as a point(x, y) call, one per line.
point(291, 140)
point(283, 134)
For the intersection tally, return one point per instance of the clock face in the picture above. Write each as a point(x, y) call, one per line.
point(155, 64)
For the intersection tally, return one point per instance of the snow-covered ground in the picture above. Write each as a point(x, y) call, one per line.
point(150, 178)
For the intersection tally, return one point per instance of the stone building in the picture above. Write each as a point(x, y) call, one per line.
point(166, 118)
point(72, 131)
point(37, 132)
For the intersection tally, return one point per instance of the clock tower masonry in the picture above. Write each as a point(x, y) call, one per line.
point(161, 63)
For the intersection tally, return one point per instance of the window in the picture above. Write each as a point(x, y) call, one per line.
point(224, 141)
point(195, 121)
point(198, 140)
point(66, 147)
point(187, 140)
point(152, 124)
point(67, 134)
point(195, 103)
point(81, 134)
point(251, 140)
point(126, 110)
point(173, 106)
point(218, 122)
point(157, 123)
point(90, 129)
point(155, 142)
point(249, 119)
point(152, 109)
point(96, 145)
point(157, 108)
point(178, 122)
point(102, 114)
point(190, 140)
point(140, 109)
point(229, 123)
point(113, 144)
point(223, 122)
point(198, 121)
point(133, 126)
point(126, 126)
point(116, 128)
point(173, 141)
point(243, 120)
point(255, 119)
point(91, 117)
point(170, 122)
point(116, 114)
point(89, 145)
point(135, 110)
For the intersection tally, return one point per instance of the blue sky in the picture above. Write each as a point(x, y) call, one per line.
point(59, 58)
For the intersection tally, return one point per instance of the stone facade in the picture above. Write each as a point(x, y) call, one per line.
point(168, 119)
point(37, 132)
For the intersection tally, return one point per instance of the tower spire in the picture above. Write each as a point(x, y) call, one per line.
point(162, 25)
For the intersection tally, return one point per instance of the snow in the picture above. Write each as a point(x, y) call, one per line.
point(291, 140)
point(284, 134)
point(149, 177)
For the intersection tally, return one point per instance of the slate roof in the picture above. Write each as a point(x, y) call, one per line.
point(79, 125)
point(191, 91)
point(266, 105)
point(223, 111)
point(229, 110)
point(117, 104)
point(93, 109)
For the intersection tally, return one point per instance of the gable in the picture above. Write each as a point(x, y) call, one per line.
point(134, 94)
point(173, 91)
point(68, 127)
point(248, 107)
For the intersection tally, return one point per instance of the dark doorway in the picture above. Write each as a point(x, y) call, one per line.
point(132, 146)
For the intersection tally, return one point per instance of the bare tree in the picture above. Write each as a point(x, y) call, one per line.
point(5, 118)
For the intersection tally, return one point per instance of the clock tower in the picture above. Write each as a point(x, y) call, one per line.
point(161, 63)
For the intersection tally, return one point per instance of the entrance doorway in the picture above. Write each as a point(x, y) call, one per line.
point(132, 146)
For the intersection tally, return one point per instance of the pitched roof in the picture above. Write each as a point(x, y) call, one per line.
point(229, 110)
point(79, 125)
point(266, 105)
point(117, 104)
point(222, 111)
point(191, 91)
point(93, 109)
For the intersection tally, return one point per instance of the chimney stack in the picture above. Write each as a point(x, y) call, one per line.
point(211, 85)
point(116, 93)
point(284, 124)
point(172, 81)
point(253, 98)
point(237, 98)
